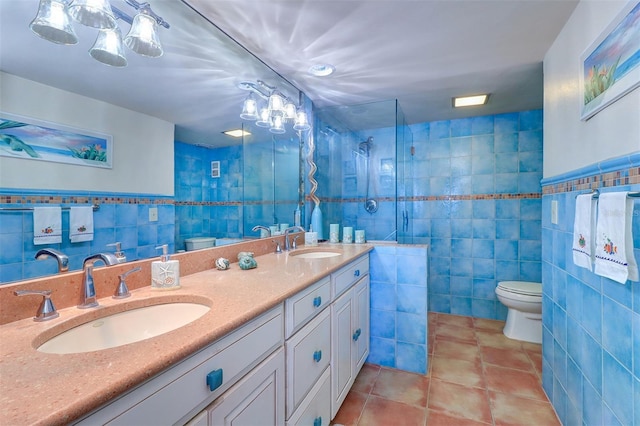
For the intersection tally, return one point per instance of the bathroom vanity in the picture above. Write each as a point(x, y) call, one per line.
point(281, 344)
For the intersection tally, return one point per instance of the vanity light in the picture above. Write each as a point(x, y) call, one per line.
point(92, 13)
point(278, 110)
point(52, 23)
point(143, 36)
point(108, 48)
point(466, 101)
point(237, 133)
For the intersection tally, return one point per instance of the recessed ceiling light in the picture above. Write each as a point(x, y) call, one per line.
point(322, 70)
point(237, 133)
point(466, 101)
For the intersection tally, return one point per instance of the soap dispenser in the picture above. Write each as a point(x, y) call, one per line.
point(122, 258)
point(165, 273)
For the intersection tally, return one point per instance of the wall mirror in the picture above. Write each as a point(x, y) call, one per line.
point(193, 91)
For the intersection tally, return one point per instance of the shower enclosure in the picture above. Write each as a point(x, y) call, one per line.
point(364, 154)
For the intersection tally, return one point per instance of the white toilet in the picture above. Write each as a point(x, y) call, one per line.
point(524, 318)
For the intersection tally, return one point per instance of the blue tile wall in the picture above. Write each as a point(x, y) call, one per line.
point(484, 224)
point(399, 303)
point(591, 325)
point(121, 217)
point(207, 206)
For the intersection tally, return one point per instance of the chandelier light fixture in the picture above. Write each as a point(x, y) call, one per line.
point(276, 111)
point(53, 23)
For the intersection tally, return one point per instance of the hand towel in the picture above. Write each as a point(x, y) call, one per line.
point(614, 242)
point(583, 231)
point(81, 224)
point(47, 225)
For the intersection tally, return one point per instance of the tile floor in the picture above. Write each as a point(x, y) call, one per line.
point(476, 376)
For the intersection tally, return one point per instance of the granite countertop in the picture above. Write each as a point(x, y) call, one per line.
point(41, 388)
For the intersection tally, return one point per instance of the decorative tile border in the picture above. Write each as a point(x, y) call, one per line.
point(523, 196)
point(80, 199)
point(596, 176)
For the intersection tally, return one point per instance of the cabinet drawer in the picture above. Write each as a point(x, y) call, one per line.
point(345, 277)
point(308, 355)
point(301, 307)
point(225, 361)
point(315, 409)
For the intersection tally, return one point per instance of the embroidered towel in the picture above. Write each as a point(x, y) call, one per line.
point(47, 225)
point(614, 242)
point(81, 224)
point(583, 231)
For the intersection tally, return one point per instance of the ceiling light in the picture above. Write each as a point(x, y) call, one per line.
point(321, 70)
point(237, 133)
point(466, 101)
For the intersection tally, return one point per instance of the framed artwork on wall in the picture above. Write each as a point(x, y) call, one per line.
point(610, 66)
point(32, 139)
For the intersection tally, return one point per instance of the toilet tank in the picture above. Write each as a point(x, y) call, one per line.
point(199, 243)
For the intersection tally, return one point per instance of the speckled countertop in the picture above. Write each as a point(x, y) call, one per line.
point(41, 388)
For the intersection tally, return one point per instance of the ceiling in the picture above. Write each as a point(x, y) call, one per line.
point(419, 52)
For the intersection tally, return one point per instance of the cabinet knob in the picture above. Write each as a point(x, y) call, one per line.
point(356, 335)
point(317, 356)
point(317, 421)
point(214, 379)
point(317, 301)
point(356, 273)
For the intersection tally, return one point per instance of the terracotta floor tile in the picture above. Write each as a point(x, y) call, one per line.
point(510, 358)
point(383, 412)
point(452, 332)
point(457, 350)
point(456, 320)
point(467, 373)
point(366, 378)
point(459, 401)
point(514, 410)
point(401, 386)
point(536, 360)
point(351, 409)
point(497, 340)
point(531, 347)
point(488, 325)
point(514, 382)
point(436, 418)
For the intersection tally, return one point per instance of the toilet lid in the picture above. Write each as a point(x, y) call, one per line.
point(522, 287)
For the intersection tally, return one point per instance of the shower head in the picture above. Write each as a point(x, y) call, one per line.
point(365, 147)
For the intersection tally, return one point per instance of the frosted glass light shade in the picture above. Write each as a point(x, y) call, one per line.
point(52, 23)
point(143, 36)
point(108, 48)
point(249, 108)
point(277, 124)
point(276, 103)
point(265, 118)
point(290, 111)
point(301, 122)
point(93, 13)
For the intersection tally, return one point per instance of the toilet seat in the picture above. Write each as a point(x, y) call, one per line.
point(525, 288)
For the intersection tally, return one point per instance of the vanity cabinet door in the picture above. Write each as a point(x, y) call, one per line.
point(342, 327)
point(315, 409)
point(257, 399)
point(361, 311)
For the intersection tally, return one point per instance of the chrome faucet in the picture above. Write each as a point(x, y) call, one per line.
point(63, 259)
point(89, 290)
point(260, 227)
point(287, 244)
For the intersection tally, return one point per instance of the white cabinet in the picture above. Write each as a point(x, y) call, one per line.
point(257, 399)
point(350, 340)
point(180, 392)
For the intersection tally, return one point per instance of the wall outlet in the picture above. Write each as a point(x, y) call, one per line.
point(554, 212)
point(153, 214)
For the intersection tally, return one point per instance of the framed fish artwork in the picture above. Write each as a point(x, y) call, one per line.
point(32, 139)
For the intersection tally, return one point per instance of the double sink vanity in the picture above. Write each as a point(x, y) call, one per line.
point(278, 344)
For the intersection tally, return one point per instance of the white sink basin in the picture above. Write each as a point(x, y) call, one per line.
point(125, 327)
point(314, 253)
